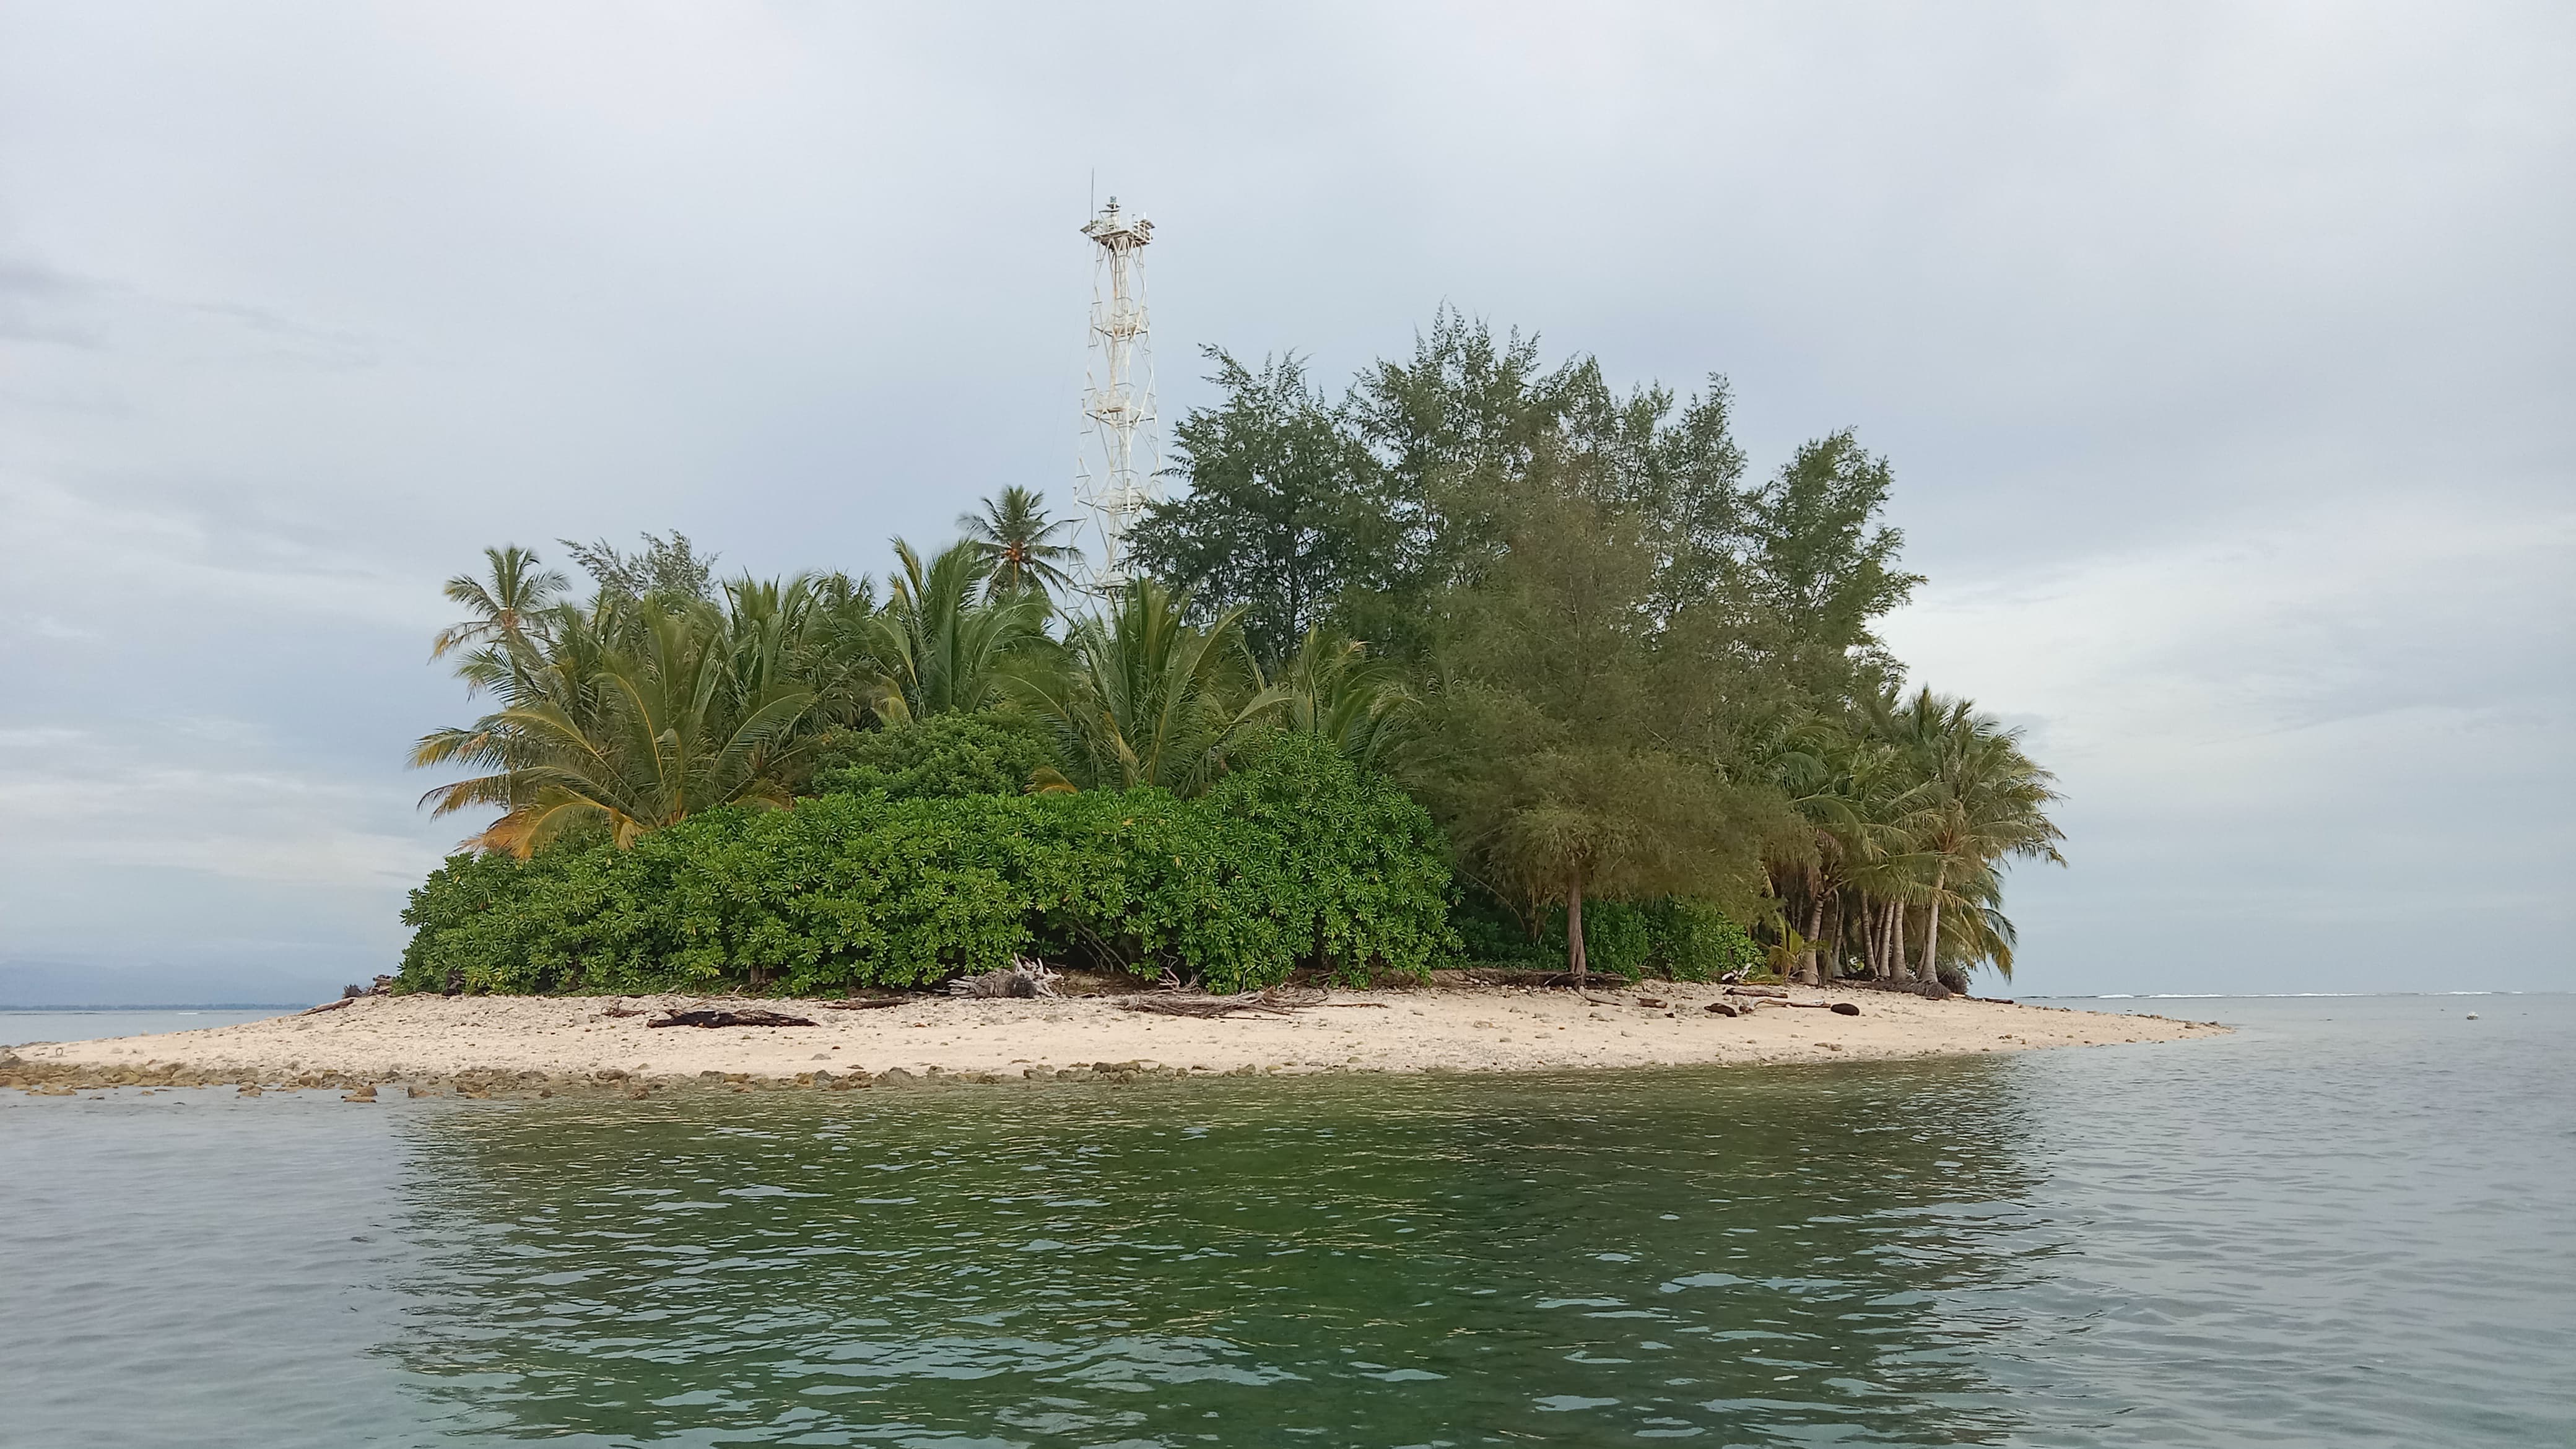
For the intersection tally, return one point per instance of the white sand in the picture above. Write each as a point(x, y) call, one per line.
point(1479, 1029)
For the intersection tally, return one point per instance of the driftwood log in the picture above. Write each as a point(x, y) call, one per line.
point(862, 1005)
point(1838, 1008)
point(1204, 1006)
point(1022, 978)
point(718, 1016)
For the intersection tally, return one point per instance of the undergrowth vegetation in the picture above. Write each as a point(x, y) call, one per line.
point(1295, 860)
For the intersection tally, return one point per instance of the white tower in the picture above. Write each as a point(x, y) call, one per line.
point(1116, 461)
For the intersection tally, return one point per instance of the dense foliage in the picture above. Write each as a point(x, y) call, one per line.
point(1296, 860)
point(1645, 674)
point(940, 758)
point(1477, 620)
point(1675, 937)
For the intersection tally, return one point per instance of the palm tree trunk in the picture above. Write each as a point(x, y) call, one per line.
point(1574, 931)
point(1932, 927)
point(1807, 971)
point(1896, 939)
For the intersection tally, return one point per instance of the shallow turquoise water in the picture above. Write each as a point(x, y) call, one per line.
point(2345, 1225)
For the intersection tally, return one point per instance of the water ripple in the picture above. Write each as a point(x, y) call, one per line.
point(2311, 1233)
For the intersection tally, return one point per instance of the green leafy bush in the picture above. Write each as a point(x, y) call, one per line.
point(1695, 941)
point(943, 757)
point(1297, 859)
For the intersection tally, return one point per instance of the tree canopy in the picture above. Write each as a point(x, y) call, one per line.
point(1639, 686)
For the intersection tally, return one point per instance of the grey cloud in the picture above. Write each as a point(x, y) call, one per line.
point(39, 304)
point(2221, 352)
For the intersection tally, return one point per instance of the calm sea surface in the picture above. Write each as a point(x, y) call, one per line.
point(86, 1023)
point(2354, 1223)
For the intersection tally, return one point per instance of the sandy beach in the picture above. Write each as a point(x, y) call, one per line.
point(513, 1045)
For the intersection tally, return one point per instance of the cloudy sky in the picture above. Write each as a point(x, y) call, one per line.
point(2224, 355)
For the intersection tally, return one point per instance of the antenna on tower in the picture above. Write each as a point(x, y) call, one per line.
point(1116, 460)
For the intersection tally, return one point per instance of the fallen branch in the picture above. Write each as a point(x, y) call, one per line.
point(326, 1006)
point(1203, 1006)
point(862, 1005)
point(748, 1016)
point(1022, 978)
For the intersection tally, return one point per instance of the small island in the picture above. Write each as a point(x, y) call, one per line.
point(1482, 718)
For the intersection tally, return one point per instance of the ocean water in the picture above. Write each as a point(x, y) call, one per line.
point(2348, 1224)
point(19, 1026)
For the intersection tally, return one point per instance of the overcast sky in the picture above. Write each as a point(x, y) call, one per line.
point(2224, 355)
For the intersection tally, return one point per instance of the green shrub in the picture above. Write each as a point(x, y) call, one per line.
point(1491, 935)
point(944, 757)
point(1297, 859)
point(1696, 941)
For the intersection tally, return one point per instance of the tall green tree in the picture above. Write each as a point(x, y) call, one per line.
point(1557, 773)
point(501, 606)
point(1469, 411)
point(671, 566)
point(1284, 510)
point(1981, 803)
point(1018, 544)
point(1823, 569)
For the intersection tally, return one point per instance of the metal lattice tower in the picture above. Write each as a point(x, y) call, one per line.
point(1115, 464)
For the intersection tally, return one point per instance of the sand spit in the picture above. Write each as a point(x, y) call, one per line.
point(529, 1046)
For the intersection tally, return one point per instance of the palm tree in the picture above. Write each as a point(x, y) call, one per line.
point(1151, 700)
point(939, 647)
point(503, 605)
point(1799, 758)
point(1362, 705)
point(1880, 866)
point(1982, 802)
point(1911, 807)
point(811, 632)
point(1016, 541)
point(632, 717)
